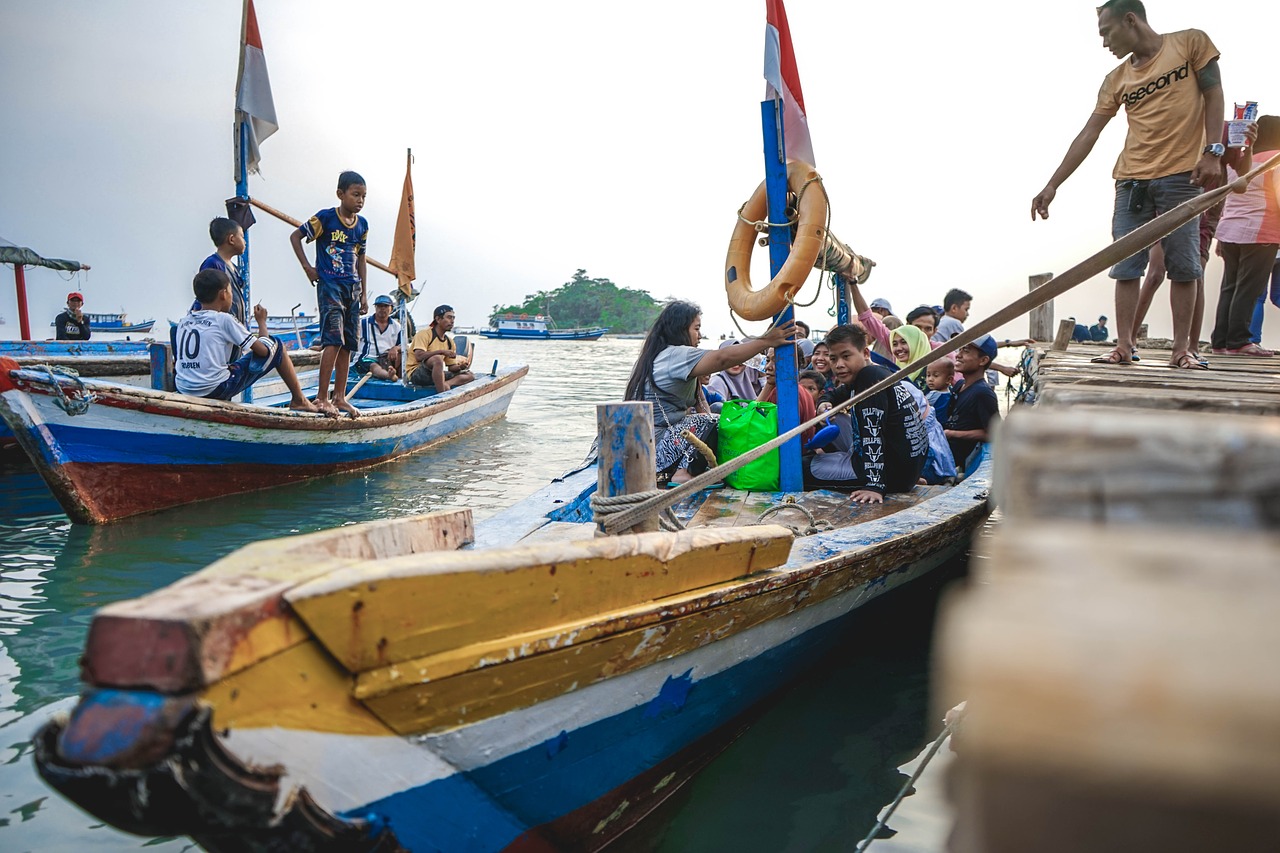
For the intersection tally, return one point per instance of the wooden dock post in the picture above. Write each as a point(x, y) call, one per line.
point(627, 464)
point(1041, 318)
point(1066, 328)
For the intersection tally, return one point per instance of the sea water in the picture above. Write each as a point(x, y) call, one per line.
point(811, 774)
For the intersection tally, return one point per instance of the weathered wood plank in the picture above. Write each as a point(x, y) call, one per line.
point(1130, 466)
point(233, 613)
point(1123, 692)
point(627, 464)
point(733, 508)
point(372, 614)
point(1041, 317)
point(1169, 400)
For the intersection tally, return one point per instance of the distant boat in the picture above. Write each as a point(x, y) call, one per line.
point(537, 327)
point(116, 323)
point(298, 332)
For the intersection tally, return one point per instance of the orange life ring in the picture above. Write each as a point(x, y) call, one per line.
point(810, 237)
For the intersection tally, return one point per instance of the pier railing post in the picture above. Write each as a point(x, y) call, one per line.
point(1066, 328)
point(627, 463)
point(1042, 317)
point(161, 367)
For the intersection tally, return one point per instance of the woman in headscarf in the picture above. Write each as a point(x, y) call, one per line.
point(666, 374)
point(909, 343)
point(737, 381)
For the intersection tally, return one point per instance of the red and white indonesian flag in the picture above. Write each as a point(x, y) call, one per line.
point(253, 90)
point(783, 82)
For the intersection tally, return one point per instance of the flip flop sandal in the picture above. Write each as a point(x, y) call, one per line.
point(1188, 361)
point(1113, 357)
point(1133, 355)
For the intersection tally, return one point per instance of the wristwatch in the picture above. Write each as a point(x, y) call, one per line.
point(1217, 149)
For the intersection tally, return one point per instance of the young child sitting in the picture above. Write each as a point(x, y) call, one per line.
point(938, 377)
point(892, 443)
point(209, 361)
point(974, 405)
point(813, 382)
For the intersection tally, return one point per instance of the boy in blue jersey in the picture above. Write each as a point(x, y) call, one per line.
point(339, 274)
point(228, 243)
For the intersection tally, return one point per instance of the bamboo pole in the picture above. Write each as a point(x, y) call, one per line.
point(284, 217)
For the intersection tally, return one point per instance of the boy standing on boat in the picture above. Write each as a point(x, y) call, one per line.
point(1171, 90)
point(339, 274)
point(890, 443)
point(973, 403)
point(228, 243)
point(433, 356)
point(209, 361)
point(72, 325)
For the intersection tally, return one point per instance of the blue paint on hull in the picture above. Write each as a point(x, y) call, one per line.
point(491, 807)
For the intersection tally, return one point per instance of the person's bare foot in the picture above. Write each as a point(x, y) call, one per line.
point(303, 405)
point(342, 404)
point(326, 407)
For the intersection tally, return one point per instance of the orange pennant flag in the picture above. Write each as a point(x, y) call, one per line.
point(406, 237)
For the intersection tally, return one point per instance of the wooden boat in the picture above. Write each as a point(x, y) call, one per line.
point(426, 684)
point(117, 323)
point(108, 451)
point(537, 327)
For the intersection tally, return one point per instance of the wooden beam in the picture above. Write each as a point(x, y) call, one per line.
point(627, 465)
point(1066, 329)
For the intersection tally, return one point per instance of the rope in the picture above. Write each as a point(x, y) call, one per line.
point(1099, 262)
point(72, 406)
point(933, 750)
point(603, 508)
point(789, 502)
point(761, 225)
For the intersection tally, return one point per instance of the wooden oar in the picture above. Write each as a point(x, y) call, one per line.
point(359, 385)
point(1136, 240)
point(284, 217)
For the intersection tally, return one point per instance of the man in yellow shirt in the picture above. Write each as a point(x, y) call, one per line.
point(1171, 90)
point(433, 358)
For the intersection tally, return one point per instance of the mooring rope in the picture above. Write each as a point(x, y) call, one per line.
point(789, 502)
point(604, 507)
point(933, 750)
point(72, 406)
point(1134, 241)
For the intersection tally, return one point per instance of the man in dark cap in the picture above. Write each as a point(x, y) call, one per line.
point(433, 356)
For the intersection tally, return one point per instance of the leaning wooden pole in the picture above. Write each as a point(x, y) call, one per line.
point(1041, 316)
point(627, 463)
point(297, 223)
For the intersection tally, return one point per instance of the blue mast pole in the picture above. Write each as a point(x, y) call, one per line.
point(242, 191)
point(786, 375)
point(842, 300)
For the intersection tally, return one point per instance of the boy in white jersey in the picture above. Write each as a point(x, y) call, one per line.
point(217, 357)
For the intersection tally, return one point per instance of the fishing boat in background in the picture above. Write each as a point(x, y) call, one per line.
point(297, 333)
point(118, 323)
point(108, 451)
point(538, 327)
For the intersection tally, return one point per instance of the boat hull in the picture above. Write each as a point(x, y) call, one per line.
point(545, 334)
point(136, 450)
point(637, 705)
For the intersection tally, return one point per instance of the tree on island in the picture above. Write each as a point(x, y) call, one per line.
point(589, 302)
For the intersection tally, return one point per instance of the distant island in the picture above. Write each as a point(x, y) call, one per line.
point(587, 302)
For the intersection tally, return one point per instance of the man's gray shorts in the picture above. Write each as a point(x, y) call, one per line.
point(1139, 202)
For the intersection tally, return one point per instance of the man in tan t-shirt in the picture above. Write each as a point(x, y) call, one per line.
point(1171, 90)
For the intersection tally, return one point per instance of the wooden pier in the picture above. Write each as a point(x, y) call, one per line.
point(1117, 642)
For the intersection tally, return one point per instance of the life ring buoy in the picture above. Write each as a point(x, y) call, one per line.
point(810, 237)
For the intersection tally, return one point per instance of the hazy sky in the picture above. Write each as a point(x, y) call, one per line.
point(616, 137)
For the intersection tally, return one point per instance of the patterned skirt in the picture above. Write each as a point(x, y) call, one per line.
point(673, 451)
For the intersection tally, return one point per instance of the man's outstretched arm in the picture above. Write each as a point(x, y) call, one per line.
point(1079, 150)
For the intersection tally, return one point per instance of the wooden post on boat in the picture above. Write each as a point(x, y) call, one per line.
point(1041, 318)
point(627, 464)
point(1066, 328)
point(161, 367)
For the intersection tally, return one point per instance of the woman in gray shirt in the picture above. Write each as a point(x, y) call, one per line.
point(666, 374)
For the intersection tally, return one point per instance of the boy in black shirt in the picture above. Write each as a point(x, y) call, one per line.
point(72, 325)
point(973, 405)
point(890, 444)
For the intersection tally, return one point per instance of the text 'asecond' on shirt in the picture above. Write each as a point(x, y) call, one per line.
point(338, 246)
point(208, 341)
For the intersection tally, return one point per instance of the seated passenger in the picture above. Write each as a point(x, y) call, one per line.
point(379, 352)
point(737, 381)
point(208, 361)
point(892, 442)
point(820, 361)
point(769, 394)
point(940, 376)
point(813, 382)
point(433, 356)
point(974, 405)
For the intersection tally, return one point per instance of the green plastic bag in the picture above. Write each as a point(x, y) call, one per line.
point(744, 426)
